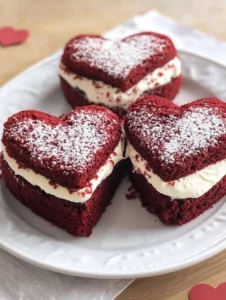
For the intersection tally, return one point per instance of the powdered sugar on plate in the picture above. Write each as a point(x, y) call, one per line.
point(117, 58)
point(173, 138)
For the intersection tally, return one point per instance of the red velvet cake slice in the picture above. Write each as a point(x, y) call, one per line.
point(64, 169)
point(177, 156)
point(115, 74)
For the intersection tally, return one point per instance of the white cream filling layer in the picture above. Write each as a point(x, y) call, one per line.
point(99, 92)
point(80, 195)
point(191, 186)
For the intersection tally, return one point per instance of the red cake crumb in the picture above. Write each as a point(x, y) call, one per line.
point(76, 218)
point(175, 212)
point(120, 64)
point(131, 188)
point(78, 98)
point(177, 141)
point(67, 150)
point(132, 195)
point(1, 156)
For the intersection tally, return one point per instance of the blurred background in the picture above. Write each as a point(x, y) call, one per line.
point(51, 23)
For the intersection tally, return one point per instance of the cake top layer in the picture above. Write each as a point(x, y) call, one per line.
point(117, 59)
point(177, 141)
point(69, 150)
point(118, 63)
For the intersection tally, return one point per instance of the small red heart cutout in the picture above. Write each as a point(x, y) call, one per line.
point(207, 292)
point(9, 36)
point(221, 291)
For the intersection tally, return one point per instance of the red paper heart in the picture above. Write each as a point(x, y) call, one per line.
point(9, 36)
point(207, 292)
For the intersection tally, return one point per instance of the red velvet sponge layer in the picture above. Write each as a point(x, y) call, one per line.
point(120, 64)
point(68, 150)
point(176, 212)
point(76, 218)
point(78, 98)
point(177, 141)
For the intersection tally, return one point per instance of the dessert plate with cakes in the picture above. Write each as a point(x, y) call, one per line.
point(65, 202)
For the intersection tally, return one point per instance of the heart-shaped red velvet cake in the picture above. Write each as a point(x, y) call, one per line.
point(207, 292)
point(115, 74)
point(64, 164)
point(9, 36)
point(178, 155)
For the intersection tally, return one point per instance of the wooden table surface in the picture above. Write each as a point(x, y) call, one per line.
point(51, 24)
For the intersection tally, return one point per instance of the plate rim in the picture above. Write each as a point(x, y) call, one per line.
point(114, 275)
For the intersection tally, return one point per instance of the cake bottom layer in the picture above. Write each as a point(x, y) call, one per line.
point(76, 218)
point(77, 98)
point(175, 212)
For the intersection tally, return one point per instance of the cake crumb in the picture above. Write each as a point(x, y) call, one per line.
point(133, 194)
point(1, 154)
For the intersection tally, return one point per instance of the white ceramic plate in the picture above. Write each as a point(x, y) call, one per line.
point(128, 241)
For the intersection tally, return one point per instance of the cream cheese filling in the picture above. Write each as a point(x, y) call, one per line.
point(191, 186)
point(101, 93)
point(79, 195)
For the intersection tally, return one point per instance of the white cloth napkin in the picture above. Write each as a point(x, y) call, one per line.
point(21, 281)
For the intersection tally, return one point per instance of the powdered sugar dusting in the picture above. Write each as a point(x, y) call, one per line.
point(117, 59)
point(68, 147)
point(172, 139)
